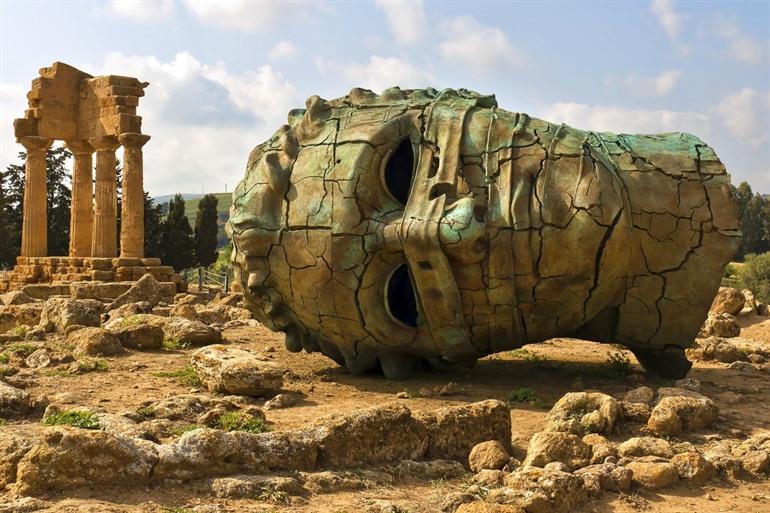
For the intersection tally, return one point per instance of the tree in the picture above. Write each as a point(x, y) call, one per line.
point(206, 231)
point(7, 255)
point(754, 218)
point(153, 227)
point(178, 248)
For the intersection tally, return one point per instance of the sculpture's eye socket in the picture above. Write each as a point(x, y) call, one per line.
point(399, 172)
point(400, 298)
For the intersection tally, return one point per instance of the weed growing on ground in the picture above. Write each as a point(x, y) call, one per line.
point(20, 348)
point(526, 354)
point(20, 330)
point(179, 431)
point(146, 411)
point(238, 421)
point(5, 358)
point(526, 395)
point(74, 418)
point(91, 365)
point(172, 344)
point(185, 376)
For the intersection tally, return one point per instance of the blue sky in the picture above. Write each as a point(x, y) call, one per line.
point(223, 74)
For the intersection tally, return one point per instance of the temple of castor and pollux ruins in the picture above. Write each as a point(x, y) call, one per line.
point(92, 115)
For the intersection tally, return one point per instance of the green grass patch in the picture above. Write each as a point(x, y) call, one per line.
point(20, 330)
point(179, 431)
point(91, 365)
point(174, 509)
point(20, 348)
point(172, 344)
point(5, 358)
point(60, 374)
point(185, 376)
point(146, 411)
point(525, 395)
point(238, 421)
point(526, 354)
point(74, 418)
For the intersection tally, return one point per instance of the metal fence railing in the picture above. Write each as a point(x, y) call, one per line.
point(203, 277)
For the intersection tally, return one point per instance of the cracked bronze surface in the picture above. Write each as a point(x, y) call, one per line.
point(513, 231)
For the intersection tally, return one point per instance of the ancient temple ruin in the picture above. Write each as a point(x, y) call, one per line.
point(91, 115)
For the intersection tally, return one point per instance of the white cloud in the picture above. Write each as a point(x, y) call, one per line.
point(252, 14)
point(746, 114)
point(480, 47)
point(612, 118)
point(377, 73)
point(406, 19)
point(741, 46)
point(142, 10)
point(13, 102)
point(667, 16)
point(203, 119)
point(658, 85)
point(282, 51)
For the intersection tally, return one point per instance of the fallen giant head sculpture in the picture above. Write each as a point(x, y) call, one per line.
point(425, 226)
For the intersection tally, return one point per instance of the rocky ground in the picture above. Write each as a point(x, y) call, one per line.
point(149, 404)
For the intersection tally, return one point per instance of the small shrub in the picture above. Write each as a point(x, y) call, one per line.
point(5, 358)
point(131, 320)
point(172, 344)
point(526, 395)
point(185, 376)
point(146, 411)
point(20, 330)
point(755, 276)
point(21, 348)
point(74, 418)
point(618, 365)
point(238, 421)
point(91, 365)
point(60, 374)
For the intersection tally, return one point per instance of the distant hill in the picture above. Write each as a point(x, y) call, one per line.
point(225, 199)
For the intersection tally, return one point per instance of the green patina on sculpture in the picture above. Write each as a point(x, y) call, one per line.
point(425, 226)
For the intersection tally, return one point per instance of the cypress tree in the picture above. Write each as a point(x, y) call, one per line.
point(178, 249)
point(153, 227)
point(206, 231)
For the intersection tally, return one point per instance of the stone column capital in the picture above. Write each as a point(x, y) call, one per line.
point(106, 143)
point(133, 140)
point(35, 143)
point(79, 147)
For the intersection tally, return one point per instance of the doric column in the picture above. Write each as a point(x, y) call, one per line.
point(104, 238)
point(34, 234)
point(82, 210)
point(132, 208)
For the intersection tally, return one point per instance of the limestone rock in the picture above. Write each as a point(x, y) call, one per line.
point(232, 370)
point(643, 395)
point(13, 401)
point(490, 478)
point(146, 289)
point(605, 476)
point(645, 446)
point(580, 412)
point(69, 458)
point(38, 359)
point(653, 473)
point(548, 446)
point(15, 297)
point(187, 407)
point(537, 490)
point(750, 303)
point(19, 315)
point(488, 455)
point(12, 449)
point(94, 342)
point(190, 333)
point(136, 335)
point(720, 325)
point(727, 301)
point(383, 434)
point(428, 470)
point(130, 309)
point(455, 430)
point(692, 466)
point(282, 401)
point(60, 313)
point(635, 412)
point(601, 448)
point(250, 486)
point(674, 415)
point(716, 348)
point(486, 507)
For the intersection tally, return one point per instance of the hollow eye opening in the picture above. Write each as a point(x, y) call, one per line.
point(399, 172)
point(401, 300)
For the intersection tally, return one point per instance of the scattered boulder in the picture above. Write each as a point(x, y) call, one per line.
point(693, 467)
point(129, 309)
point(486, 507)
point(185, 332)
point(19, 315)
point(653, 473)
point(641, 395)
point(146, 289)
point(428, 470)
point(720, 325)
point(70, 458)
point(231, 370)
point(635, 412)
point(488, 455)
point(38, 359)
point(601, 448)
point(15, 297)
point(184, 310)
point(60, 313)
point(717, 349)
point(675, 415)
point(490, 478)
point(455, 430)
point(750, 302)
point(134, 334)
point(548, 446)
point(12, 449)
point(94, 342)
point(250, 486)
point(537, 490)
point(282, 401)
point(581, 412)
point(727, 301)
point(13, 401)
point(640, 446)
point(605, 476)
